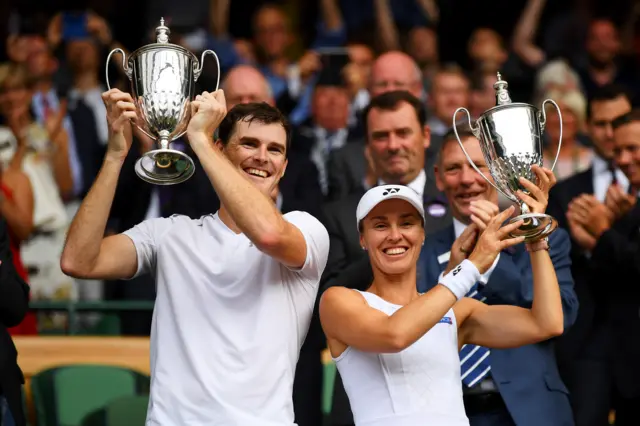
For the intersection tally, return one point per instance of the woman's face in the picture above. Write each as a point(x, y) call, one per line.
point(393, 234)
point(569, 124)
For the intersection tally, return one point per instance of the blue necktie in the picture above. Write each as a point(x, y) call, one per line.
point(474, 360)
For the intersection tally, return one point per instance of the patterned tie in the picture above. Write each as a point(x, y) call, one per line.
point(474, 360)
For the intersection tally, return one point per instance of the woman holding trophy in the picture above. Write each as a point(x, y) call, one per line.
point(397, 350)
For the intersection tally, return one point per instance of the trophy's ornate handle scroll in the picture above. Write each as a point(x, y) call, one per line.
point(476, 132)
point(198, 71)
point(543, 122)
point(127, 70)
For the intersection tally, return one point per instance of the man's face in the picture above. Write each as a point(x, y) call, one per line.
point(449, 91)
point(485, 49)
point(570, 124)
point(362, 56)
point(600, 130)
point(391, 75)
point(330, 107)
point(272, 32)
point(246, 87)
point(627, 151)
point(457, 179)
point(259, 151)
point(603, 42)
point(483, 99)
point(397, 143)
point(423, 46)
point(40, 62)
point(82, 55)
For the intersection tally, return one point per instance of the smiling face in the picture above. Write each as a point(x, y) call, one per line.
point(393, 234)
point(458, 180)
point(259, 151)
point(397, 143)
point(627, 151)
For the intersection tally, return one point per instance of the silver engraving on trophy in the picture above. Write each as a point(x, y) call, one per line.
point(510, 136)
point(163, 77)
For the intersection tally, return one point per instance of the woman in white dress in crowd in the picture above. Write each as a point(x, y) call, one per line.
point(397, 351)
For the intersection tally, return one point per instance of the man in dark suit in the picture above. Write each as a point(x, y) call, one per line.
point(14, 301)
point(583, 351)
point(397, 138)
point(610, 232)
point(347, 166)
point(504, 387)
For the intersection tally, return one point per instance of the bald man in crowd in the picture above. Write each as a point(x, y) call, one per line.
point(245, 84)
point(347, 168)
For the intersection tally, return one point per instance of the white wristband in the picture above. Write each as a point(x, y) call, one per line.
point(461, 278)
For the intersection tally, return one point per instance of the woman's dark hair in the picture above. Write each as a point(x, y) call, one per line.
point(260, 112)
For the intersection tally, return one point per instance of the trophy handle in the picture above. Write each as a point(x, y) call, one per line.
point(543, 122)
point(476, 132)
point(127, 71)
point(198, 71)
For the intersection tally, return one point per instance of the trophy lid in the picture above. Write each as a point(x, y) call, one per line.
point(162, 32)
point(502, 94)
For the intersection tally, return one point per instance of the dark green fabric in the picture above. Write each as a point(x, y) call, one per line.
point(64, 396)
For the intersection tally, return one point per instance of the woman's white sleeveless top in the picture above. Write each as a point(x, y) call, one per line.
point(419, 386)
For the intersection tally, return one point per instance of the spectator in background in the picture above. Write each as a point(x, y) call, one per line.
point(36, 160)
point(608, 232)
point(290, 81)
point(584, 356)
point(604, 62)
point(574, 157)
point(482, 94)
point(449, 91)
point(14, 301)
point(510, 386)
point(347, 168)
point(327, 128)
point(422, 46)
point(555, 76)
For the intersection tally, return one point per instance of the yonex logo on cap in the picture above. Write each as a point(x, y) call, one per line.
point(391, 191)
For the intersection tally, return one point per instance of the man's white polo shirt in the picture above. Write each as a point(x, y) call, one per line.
point(228, 321)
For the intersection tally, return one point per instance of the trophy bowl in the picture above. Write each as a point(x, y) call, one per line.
point(163, 77)
point(510, 136)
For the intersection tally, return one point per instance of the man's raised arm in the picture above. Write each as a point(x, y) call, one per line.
point(87, 254)
point(250, 209)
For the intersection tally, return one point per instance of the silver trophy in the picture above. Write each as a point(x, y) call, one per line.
point(510, 136)
point(163, 77)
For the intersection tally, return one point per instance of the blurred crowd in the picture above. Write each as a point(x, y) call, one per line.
point(321, 64)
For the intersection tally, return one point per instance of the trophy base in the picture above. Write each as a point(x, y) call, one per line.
point(165, 167)
point(536, 226)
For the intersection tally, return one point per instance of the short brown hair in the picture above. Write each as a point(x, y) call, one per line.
point(631, 117)
point(260, 112)
point(464, 132)
point(390, 101)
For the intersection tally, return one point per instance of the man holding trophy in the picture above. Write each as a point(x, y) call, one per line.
point(235, 289)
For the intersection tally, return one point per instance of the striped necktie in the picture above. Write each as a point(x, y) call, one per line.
point(474, 360)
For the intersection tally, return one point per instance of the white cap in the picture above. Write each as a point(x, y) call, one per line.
point(378, 194)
